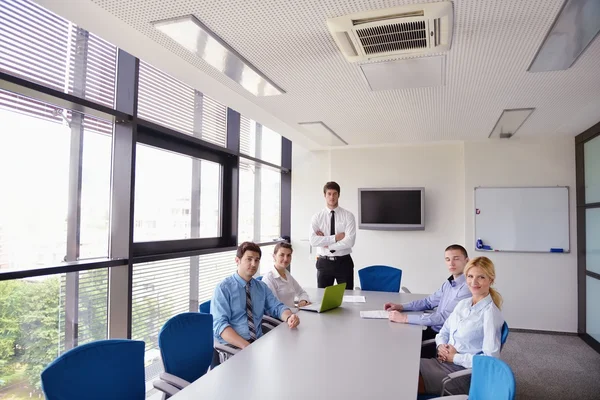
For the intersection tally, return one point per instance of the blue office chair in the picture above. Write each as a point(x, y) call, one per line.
point(105, 369)
point(467, 371)
point(492, 379)
point(259, 278)
point(380, 278)
point(204, 307)
point(186, 348)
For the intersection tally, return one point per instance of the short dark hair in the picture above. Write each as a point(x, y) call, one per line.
point(331, 186)
point(247, 246)
point(457, 247)
point(282, 245)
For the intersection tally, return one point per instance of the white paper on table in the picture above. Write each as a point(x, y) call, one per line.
point(354, 299)
point(375, 314)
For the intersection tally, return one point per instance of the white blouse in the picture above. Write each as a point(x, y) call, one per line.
point(286, 290)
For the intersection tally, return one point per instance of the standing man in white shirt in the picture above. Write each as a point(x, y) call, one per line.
point(333, 232)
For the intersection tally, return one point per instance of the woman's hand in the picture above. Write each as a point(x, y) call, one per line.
point(303, 303)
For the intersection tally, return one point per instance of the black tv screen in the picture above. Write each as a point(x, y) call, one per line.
point(391, 208)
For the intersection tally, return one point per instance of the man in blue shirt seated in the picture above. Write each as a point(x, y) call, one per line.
point(453, 290)
point(240, 302)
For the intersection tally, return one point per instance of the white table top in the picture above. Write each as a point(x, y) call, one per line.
point(332, 355)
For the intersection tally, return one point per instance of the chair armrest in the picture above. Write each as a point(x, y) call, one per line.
point(405, 289)
point(454, 375)
point(270, 320)
point(356, 288)
point(165, 388)
point(174, 380)
point(460, 373)
point(455, 397)
point(428, 342)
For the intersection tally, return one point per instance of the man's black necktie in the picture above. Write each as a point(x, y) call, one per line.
point(332, 231)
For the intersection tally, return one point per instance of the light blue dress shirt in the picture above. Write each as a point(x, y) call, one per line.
point(228, 306)
point(473, 329)
point(445, 299)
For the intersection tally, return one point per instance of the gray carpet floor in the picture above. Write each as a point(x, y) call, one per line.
point(552, 367)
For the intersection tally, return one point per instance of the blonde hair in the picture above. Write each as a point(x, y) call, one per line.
point(488, 268)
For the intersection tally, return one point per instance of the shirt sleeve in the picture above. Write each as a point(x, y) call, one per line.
point(492, 331)
point(221, 310)
point(428, 303)
point(349, 236)
point(316, 240)
point(444, 336)
point(273, 306)
point(440, 315)
point(298, 291)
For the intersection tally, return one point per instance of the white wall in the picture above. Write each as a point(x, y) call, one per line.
point(420, 254)
point(539, 289)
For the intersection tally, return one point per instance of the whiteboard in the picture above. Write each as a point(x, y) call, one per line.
point(523, 219)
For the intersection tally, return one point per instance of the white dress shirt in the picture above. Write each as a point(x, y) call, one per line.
point(285, 289)
point(344, 222)
point(473, 329)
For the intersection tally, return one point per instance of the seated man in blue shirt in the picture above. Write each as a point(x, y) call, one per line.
point(445, 299)
point(240, 302)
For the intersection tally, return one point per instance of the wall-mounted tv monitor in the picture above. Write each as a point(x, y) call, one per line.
point(391, 209)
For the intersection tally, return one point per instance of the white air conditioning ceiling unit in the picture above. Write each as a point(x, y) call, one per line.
point(411, 30)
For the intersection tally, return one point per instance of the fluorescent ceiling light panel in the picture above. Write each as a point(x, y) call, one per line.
point(192, 34)
point(510, 121)
point(405, 74)
point(575, 27)
point(322, 134)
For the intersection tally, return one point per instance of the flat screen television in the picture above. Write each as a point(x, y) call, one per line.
point(391, 209)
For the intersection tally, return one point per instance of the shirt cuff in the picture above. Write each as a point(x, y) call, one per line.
point(414, 319)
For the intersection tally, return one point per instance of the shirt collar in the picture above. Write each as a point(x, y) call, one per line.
point(329, 210)
point(457, 281)
point(482, 303)
point(276, 273)
point(239, 279)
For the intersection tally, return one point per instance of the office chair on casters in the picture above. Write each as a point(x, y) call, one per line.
point(104, 369)
point(186, 348)
point(492, 379)
point(380, 278)
point(467, 371)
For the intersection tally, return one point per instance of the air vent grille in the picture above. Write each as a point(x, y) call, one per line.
point(393, 37)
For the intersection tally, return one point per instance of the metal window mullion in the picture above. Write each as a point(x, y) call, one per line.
point(75, 182)
point(122, 196)
point(286, 188)
point(231, 181)
point(257, 185)
point(195, 204)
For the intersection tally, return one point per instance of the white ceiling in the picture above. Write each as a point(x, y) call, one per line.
point(493, 44)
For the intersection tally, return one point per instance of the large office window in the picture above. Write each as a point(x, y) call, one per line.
point(260, 142)
point(166, 101)
point(37, 159)
point(176, 196)
point(260, 200)
point(40, 319)
point(37, 45)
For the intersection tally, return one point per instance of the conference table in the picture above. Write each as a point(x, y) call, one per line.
point(331, 355)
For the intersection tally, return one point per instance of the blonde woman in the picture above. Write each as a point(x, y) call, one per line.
point(474, 327)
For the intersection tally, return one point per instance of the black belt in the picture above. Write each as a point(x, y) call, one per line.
point(333, 258)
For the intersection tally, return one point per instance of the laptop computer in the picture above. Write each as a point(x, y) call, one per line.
point(332, 298)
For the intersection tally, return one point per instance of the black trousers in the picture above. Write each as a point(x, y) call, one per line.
point(429, 351)
point(341, 269)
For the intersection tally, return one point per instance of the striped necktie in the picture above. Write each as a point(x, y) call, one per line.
point(251, 326)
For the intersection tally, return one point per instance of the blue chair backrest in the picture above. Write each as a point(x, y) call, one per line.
point(204, 307)
point(492, 379)
point(380, 278)
point(105, 369)
point(259, 278)
point(186, 345)
point(504, 335)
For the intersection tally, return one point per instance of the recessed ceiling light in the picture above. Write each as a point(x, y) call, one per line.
point(192, 34)
point(575, 27)
point(510, 121)
point(322, 134)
